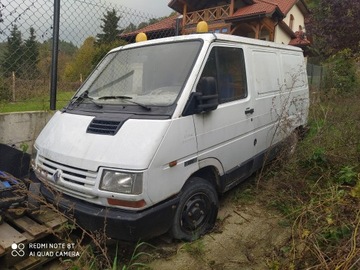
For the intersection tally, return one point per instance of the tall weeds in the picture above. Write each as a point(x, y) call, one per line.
point(318, 189)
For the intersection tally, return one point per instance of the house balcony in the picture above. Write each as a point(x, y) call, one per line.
point(208, 15)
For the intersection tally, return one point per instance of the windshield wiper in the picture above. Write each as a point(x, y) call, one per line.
point(85, 95)
point(127, 98)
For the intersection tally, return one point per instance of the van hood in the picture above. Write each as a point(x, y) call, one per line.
point(65, 140)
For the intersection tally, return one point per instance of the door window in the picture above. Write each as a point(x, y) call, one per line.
point(227, 66)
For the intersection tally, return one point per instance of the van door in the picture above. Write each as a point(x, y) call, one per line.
point(267, 87)
point(225, 135)
point(279, 97)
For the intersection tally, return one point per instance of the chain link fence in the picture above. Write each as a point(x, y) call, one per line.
point(316, 76)
point(316, 79)
point(26, 42)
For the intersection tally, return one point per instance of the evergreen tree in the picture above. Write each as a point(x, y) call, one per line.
point(109, 28)
point(13, 56)
point(31, 56)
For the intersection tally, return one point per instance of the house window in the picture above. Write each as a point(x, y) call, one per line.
point(291, 23)
point(219, 30)
point(227, 66)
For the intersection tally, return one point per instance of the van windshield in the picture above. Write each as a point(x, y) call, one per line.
point(150, 75)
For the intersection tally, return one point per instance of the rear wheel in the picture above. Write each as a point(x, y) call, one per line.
point(197, 210)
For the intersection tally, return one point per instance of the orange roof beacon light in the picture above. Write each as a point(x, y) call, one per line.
point(202, 27)
point(141, 37)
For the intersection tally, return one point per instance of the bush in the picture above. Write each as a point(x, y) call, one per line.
point(5, 92)
point(341, 72)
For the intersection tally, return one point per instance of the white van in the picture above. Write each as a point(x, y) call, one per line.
point(161, 127)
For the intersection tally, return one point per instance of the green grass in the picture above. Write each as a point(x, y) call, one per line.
point(195, 249)
point(41, 103)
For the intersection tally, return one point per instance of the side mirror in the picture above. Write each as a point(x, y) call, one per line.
point(205, 98)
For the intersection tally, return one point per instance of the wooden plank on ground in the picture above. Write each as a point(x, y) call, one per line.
point(33, 228)
point(49, 217)
point(8, 236)
point(33, 263)
point(28, 236)
point(27, 263)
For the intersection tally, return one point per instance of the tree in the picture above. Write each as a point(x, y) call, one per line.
point(103, 49)
point(31, 56)
point(334, 26)
point(341, 72)
point(67, 51)
point(81, 64)
point(109, 38)
point(13, 56)
point(109, 28)
point(312, 3)
point(130, 28)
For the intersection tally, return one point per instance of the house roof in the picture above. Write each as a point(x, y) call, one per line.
point(265, 7)
point(165, 24)
point(193, 5)
point(300, 40)
point(251, 6)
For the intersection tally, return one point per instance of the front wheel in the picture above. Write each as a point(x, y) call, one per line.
point(197, 210)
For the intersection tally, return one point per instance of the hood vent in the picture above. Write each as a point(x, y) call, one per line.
point(104, 127)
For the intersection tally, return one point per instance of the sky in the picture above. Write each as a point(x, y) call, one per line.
point(79, 19)
point(152, 7)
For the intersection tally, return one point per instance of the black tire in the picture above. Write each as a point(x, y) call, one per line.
point(197, 210)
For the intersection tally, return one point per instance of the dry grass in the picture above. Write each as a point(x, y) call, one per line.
point(318, 190)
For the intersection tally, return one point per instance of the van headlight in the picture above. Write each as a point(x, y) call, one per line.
point(121, 182)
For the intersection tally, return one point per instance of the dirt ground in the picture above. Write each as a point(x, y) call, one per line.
point(247, 236)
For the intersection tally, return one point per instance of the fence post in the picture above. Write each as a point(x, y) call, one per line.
point(55, 54)
point(13, 86)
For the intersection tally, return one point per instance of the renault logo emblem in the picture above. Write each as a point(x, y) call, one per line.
point(57, 175)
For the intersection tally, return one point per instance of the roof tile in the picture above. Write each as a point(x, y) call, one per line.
point(264, 7)
point(167, 23)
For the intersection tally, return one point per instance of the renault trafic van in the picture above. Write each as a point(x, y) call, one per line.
point(162, 127)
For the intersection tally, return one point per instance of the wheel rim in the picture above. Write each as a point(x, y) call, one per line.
point(196, 213)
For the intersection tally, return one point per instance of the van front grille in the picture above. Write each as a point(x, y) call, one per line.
point(78, 177)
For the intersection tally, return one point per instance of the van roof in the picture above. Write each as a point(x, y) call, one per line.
point(212, 37)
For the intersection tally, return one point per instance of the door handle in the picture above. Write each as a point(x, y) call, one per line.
point(249, 111)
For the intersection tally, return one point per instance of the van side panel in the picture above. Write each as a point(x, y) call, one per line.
point(280, 93)
point(296, 82)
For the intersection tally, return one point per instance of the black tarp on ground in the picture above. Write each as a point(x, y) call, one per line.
point(14, 161)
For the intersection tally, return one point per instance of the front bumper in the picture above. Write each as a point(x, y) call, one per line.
point(116, 223)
